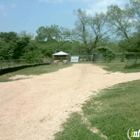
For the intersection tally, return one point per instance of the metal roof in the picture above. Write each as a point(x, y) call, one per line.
point(60, 53)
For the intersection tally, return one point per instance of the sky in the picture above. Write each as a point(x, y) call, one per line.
point(29, 15)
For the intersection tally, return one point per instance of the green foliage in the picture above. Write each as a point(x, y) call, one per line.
point(5, 50)
point(119, 20)
point(133, 7)
point(19, 49)
point(89, 33)
point(22, 46)
point(47, 49)
point(48, 33)
point(8, 37)
point(7, 43)
point(107, 53)
point(32, 53)
point(135, 43)
point(116, 65)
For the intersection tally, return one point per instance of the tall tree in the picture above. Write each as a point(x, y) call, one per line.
point(32, 52)
point(99, 29)
point(81, 30)
point(51, 33)
point(19, 49)
point(9, 36)
point(66, 34)
point(120, 20)
point(90, 30)
point(134, 8)
point(7, 44)
point(5, 51)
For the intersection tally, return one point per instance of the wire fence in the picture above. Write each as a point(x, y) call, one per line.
point(6, 64)
point(132, 62)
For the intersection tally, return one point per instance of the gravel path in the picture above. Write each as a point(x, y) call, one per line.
point(35, 108)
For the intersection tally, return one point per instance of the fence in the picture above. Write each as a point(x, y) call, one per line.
point(133, 61)
point(6, 64)
point(96, 57)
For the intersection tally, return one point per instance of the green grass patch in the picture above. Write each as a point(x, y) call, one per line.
point(116, 65)
point(35, 70)
point(113, 111)
point(4, 79)
point(75, 129)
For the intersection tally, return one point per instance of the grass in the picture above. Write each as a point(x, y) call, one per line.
point(4, 79)
point(116, 65)
point(75, 129)
point(35, 70)
point(112, 112)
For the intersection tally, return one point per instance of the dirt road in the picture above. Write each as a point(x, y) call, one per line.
point(35, 108)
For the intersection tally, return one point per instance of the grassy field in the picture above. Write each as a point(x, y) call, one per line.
point(35, 70)
point(109, 115)
point(116, 65)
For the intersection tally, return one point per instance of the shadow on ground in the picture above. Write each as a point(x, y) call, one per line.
point(13, 69)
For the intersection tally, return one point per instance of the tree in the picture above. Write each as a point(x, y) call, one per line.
point(8, 36)
point(51, 33)
point(91, 31)
point(48, 49)
point(81, 30)
point(7, 44)
point(107, 53)
point(134, 8)
point(5, 52)
point(19, 49)
point(32, 53)
point(99, 30)
point(136, 43)
point(120, 20)
point(66, 34)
